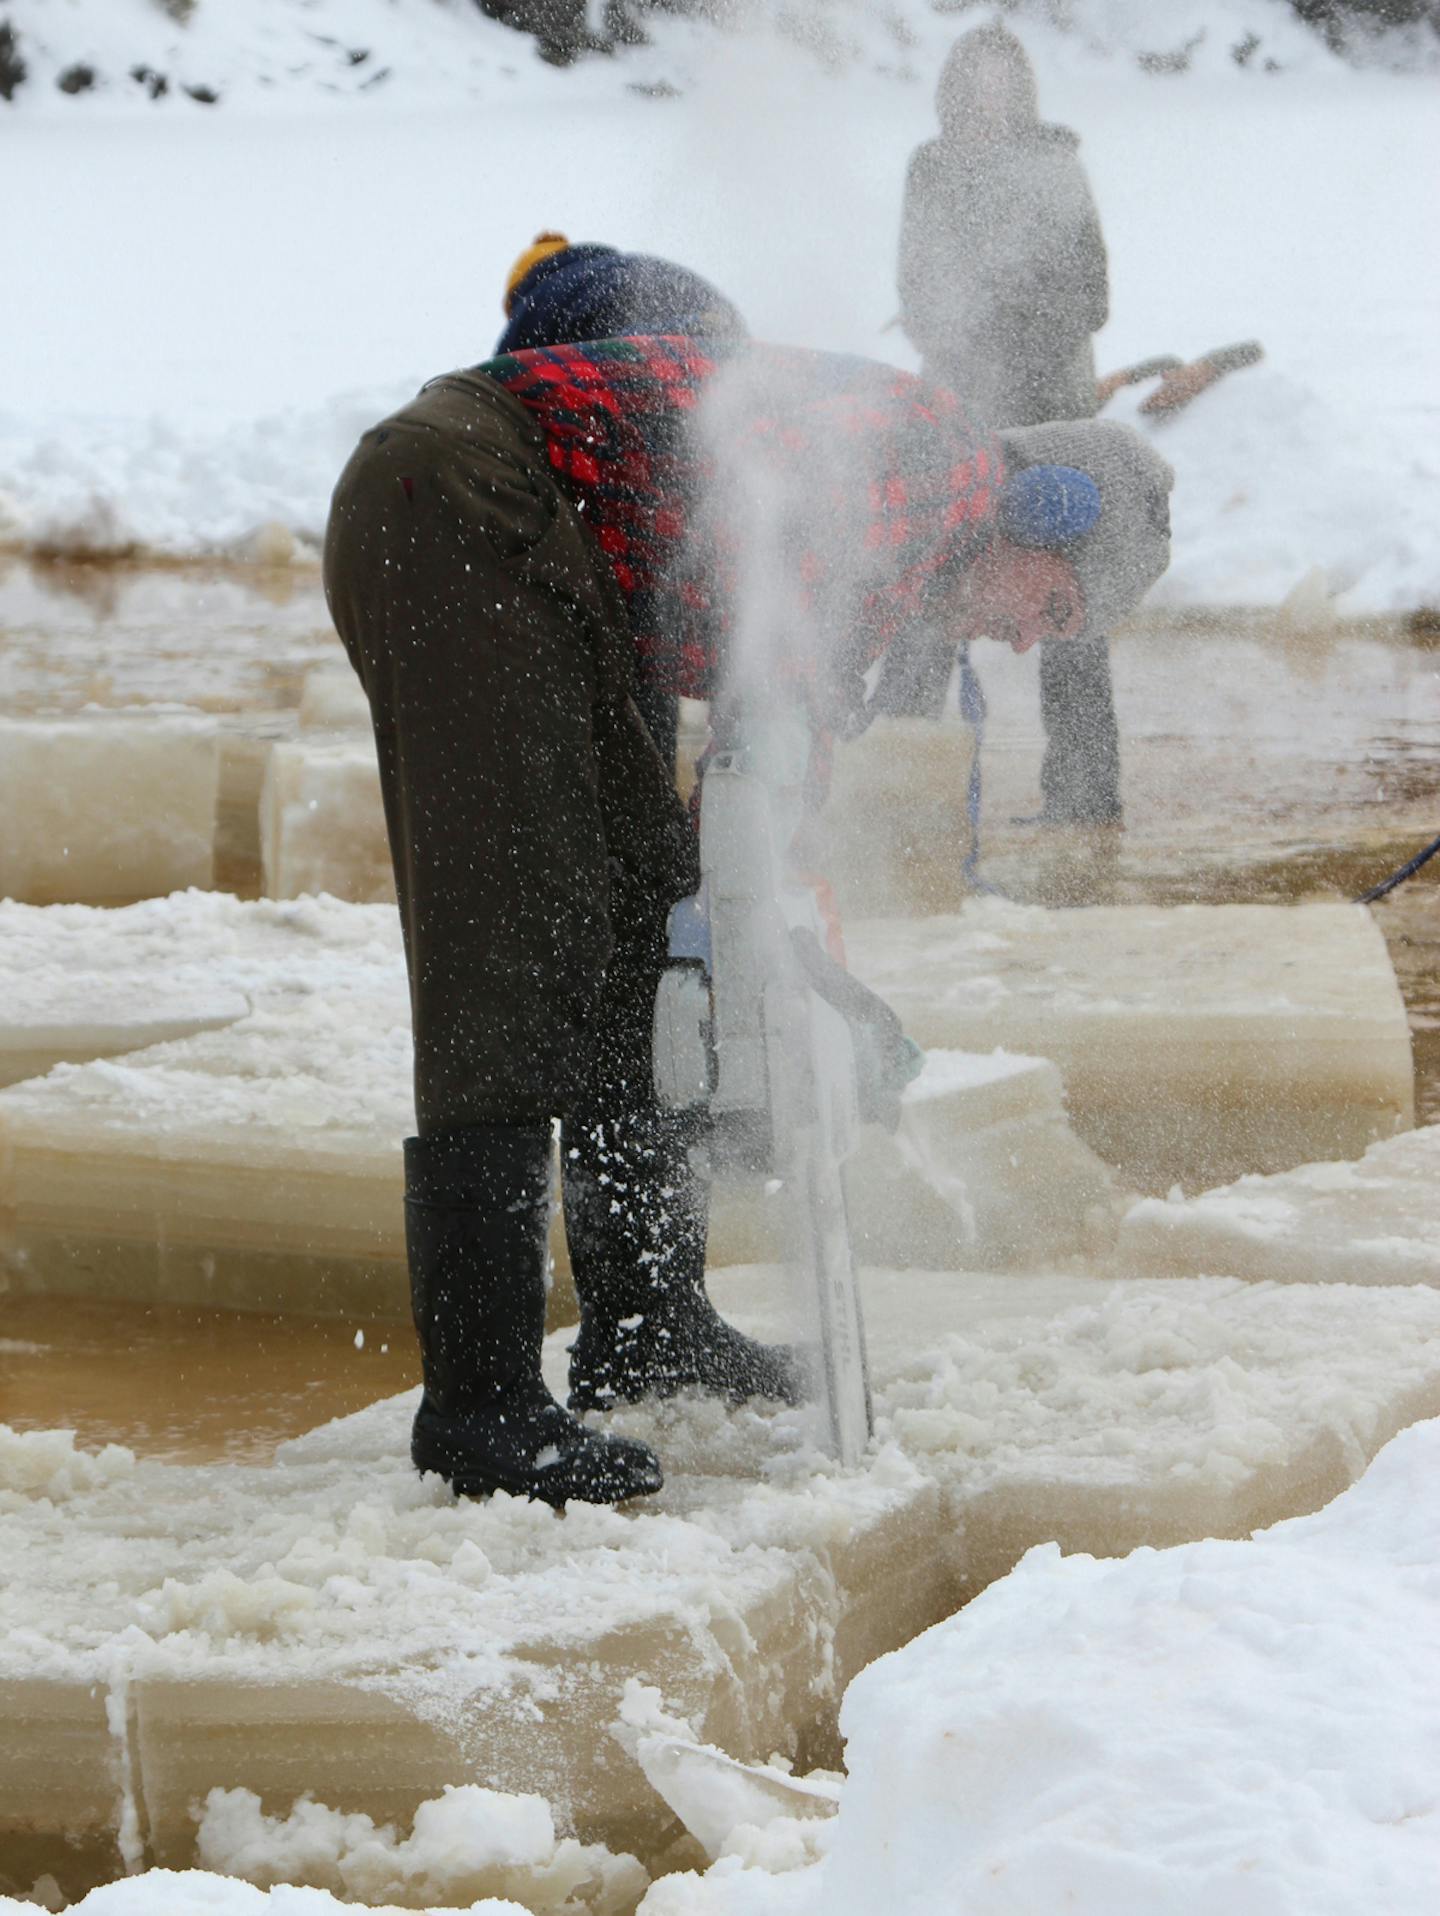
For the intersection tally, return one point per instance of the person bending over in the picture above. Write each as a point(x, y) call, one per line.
point(509, 559)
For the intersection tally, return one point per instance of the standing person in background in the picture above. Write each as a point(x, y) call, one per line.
point(1002, 287)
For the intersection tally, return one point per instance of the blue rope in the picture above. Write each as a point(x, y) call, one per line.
point(1407, 870)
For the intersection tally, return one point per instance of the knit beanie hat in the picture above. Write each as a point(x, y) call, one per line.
point(1128, 546)
point(543, 245)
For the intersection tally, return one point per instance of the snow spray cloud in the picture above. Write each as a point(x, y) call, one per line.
point(790, 522)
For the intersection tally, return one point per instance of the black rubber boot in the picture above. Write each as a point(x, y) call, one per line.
point(636, 1217)
point(476, 1210)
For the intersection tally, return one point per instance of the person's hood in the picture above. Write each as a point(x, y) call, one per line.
point(979, 63)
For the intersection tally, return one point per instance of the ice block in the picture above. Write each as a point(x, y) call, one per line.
point(107, 807)
point(1196, 1042)
point(322, 824)
point(1374, 1221)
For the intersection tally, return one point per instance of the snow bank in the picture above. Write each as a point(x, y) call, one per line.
point(1261, 198)
point(1246, 1726)
point(263, 56)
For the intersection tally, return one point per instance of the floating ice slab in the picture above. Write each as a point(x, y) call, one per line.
point(334, 700)
point(331, 1624)
point(252, 1160)
point(322, 824)
point(1196, 1042)
point(255, 1165)
point(1376, 1221)
point(106, 808)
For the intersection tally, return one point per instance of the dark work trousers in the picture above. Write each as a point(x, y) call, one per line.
point(534, 828)
point(1080, 771)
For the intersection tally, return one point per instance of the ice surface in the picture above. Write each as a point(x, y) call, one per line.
point(1376, 1221)
point(322, 824)
point(106, 808)
point(330, 1623)
point(1196, 1042)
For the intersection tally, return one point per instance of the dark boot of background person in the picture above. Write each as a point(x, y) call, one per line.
point(636, 1215)
point(476, 1214)
point(1080, 772)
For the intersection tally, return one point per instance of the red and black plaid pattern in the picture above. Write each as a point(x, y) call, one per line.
point(881, 481)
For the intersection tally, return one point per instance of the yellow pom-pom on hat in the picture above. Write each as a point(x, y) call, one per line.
point(543, 245)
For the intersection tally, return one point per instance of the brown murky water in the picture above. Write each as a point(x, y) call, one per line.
point(1260, 765)
point(190, 1385)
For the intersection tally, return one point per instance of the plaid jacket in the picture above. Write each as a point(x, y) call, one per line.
point(866, 483)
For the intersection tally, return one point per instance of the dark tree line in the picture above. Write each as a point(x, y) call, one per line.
point(562, 30)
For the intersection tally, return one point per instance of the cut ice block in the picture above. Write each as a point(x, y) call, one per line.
point(246, 742)
point(330, 1624)
point(83, 983)
point(1107, 1415)
point(1196, 1042)
point(251, 1162)
point(984, 1173)
point(1376, 1221)
point(894, 825)
point(334, 700)
point(255, 1165)
point(322, 823)
point(106, 808)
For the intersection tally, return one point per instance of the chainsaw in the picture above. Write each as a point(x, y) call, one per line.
point(784, 1053)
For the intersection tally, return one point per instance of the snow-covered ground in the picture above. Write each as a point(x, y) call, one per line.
point(206, 304)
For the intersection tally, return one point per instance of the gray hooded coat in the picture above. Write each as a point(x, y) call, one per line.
point(1002, 263)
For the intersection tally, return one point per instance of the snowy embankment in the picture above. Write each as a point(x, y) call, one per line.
point(192, 352)
point(1240, 1726)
